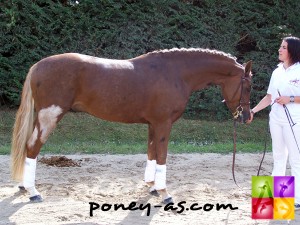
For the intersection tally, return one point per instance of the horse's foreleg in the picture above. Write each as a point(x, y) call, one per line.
point(149, 176)
point(161, 134)
point(44, 125)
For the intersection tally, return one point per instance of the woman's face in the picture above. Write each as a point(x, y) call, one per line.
point(283, 52)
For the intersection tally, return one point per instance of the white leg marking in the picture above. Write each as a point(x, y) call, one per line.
point(33, 138)
point(48, 118)
point(150, 171)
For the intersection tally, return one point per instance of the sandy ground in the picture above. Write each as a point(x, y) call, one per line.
point(69, 192)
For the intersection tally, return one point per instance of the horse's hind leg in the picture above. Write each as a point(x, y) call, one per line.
point(45, 123)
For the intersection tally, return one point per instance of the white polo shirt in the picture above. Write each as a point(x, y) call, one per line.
point(287, 81)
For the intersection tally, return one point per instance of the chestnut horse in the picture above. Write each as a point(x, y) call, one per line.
point(153, 89)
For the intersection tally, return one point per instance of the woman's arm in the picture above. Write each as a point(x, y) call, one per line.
point(265, 102)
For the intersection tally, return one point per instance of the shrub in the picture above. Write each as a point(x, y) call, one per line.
point(32, 30)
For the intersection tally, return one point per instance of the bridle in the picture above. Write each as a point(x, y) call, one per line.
point(239, 110)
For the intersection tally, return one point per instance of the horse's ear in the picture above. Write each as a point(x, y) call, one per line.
point(248, 67)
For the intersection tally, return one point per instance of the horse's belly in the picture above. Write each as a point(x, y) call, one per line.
point(117, 117)
point(121, 114)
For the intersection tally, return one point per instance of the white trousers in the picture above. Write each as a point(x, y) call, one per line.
point(284, 146)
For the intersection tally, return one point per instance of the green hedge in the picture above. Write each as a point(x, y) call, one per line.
point(31, 30)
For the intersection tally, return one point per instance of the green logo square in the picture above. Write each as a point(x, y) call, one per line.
point(262, 187)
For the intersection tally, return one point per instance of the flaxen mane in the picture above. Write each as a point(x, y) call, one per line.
point(193, 50)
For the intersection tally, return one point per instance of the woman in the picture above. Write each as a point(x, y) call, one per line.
point(284, 92)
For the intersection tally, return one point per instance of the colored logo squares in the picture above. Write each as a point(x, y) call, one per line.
point(273, 197)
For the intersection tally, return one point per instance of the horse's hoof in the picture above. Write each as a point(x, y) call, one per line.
point(22, 189)
point(154, 193)
point(36, 199)
point(168, 200)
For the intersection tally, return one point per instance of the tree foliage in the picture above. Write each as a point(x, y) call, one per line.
point(31, 30)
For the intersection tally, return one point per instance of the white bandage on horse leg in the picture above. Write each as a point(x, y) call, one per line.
point(160, 177)
point(29, 176)
point(150, 171)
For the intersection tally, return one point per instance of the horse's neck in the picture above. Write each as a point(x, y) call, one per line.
point(200, 73)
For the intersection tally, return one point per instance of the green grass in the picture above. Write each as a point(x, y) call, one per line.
point(81, 133)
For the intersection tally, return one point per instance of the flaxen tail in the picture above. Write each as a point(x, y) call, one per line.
point(22, 130)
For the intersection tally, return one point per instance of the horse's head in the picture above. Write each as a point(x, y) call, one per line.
point(236, 92)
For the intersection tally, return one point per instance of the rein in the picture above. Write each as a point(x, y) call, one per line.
point(291, 122)
point(265, 149)
point(238, 113)
point(234, 152)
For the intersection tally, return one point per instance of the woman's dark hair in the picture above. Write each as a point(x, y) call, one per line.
point(293, 48)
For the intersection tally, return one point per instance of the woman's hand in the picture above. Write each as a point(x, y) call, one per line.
point(282, 100)
point(251, 117)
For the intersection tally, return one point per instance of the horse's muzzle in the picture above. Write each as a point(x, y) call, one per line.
point(241, 115)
